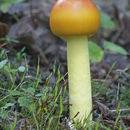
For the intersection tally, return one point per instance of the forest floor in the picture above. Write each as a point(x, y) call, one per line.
point(33, 71)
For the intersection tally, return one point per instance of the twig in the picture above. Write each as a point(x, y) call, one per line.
point(110, 123)
point(97, 94)
point(121, 110)
point(103, 107)
point(99, 80)
point(4, 44)
point(125, 117)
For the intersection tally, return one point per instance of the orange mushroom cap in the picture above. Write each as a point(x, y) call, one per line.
point(74, 17)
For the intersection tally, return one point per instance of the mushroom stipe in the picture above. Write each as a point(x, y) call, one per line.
point(75, 21)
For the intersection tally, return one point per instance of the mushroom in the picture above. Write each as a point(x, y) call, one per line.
point(75, 21)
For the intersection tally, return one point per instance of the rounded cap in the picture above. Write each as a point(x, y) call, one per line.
point(74, 17)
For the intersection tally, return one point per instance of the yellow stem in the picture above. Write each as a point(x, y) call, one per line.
point(79, 77)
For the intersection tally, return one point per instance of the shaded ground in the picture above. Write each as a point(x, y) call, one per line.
point(28, 23)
